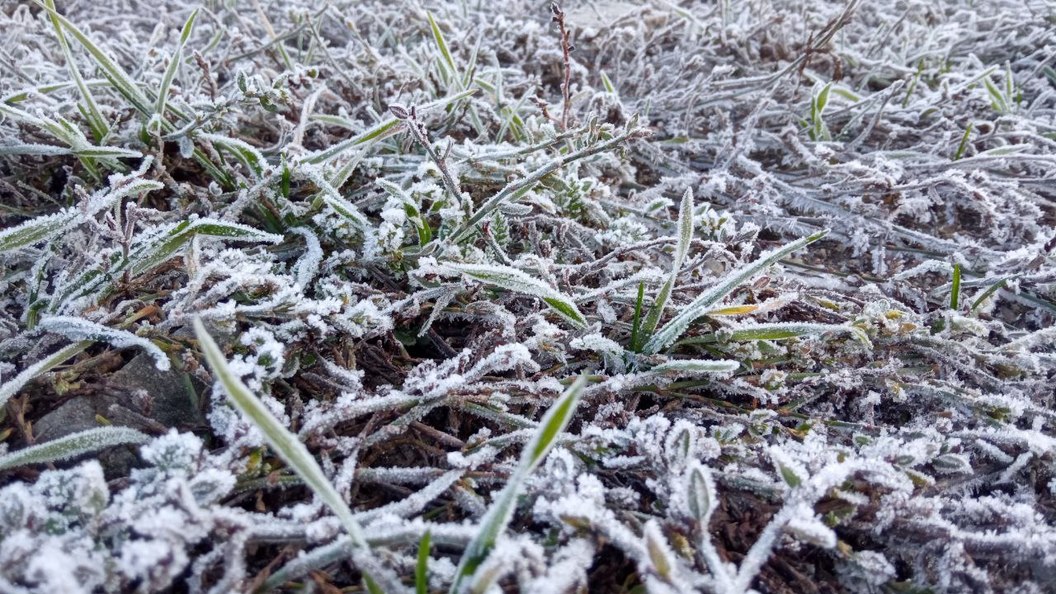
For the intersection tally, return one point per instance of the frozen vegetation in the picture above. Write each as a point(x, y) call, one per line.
point(657, 297)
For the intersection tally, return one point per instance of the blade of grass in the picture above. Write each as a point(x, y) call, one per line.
point(282, 441)
point(498, 515)
point(776, 331)
point(685, 237)
point(71, 446)
point(681, 367)
point(441, 44)
point(174, 64)
point(12, 386)
point(517, 281)
point(636, 324)
point(119, 79)
point(699, 307)
point(96, 122)
point(955, 291)
point(421, 569)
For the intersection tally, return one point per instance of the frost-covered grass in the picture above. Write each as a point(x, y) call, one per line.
point(476, 297)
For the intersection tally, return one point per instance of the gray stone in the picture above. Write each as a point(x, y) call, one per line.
point(173, 394)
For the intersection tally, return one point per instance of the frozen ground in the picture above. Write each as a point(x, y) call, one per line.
point(801, 256)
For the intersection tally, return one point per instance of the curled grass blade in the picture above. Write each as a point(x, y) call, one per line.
point(498, 515)
point(12, 386)
point(699, 307)
point(71, 446)
point(81, 329)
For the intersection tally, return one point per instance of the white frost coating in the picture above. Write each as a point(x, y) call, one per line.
point(308, 266)
point(81, 329)
point(683, 367)
point(71, 446)
point(520, 282)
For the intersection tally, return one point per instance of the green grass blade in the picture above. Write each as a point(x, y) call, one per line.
point(964, 142)
point(96, 121)
point(12, 386)
point(997, 100)
point(637, 323)
point(682, 367)
point(438, 37)
point(421, 568)
point(119, 79)
point(685, 237)
point(988, 292)
point(955, 291)
point(71, 446)
point(517, 281)
point(779, 331)
point(284, 443)
point(35, 230)
point(699, 307)
point(498, 515)
point(174, 64)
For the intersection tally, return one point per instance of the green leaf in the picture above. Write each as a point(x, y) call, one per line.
point(700, 493)
point(964, 142)
point(498, 515)
point(35, 230)
point(685, 238)
point(997, 100)
point(119, 79)
point(683, 367)
point(699, 307)
point(12, 386)
point(174, 64)
point(517, 281)
point(778, 331)
point(421, 569)
point(438, 37)
point(71, 446)
point(955, 291)
point(96, 121)
point(282, 441)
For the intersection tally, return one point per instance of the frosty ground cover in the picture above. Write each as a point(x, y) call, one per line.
point(498, 296)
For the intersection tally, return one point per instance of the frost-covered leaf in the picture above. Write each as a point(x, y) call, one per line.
point(691, 367)
point(700, 305)
point(700, 493)
point(13, 385)
point(518, 281)
point(71, 446)
point(80, 329)
point(285, 444)
point(498, 515)
point(685, 238)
